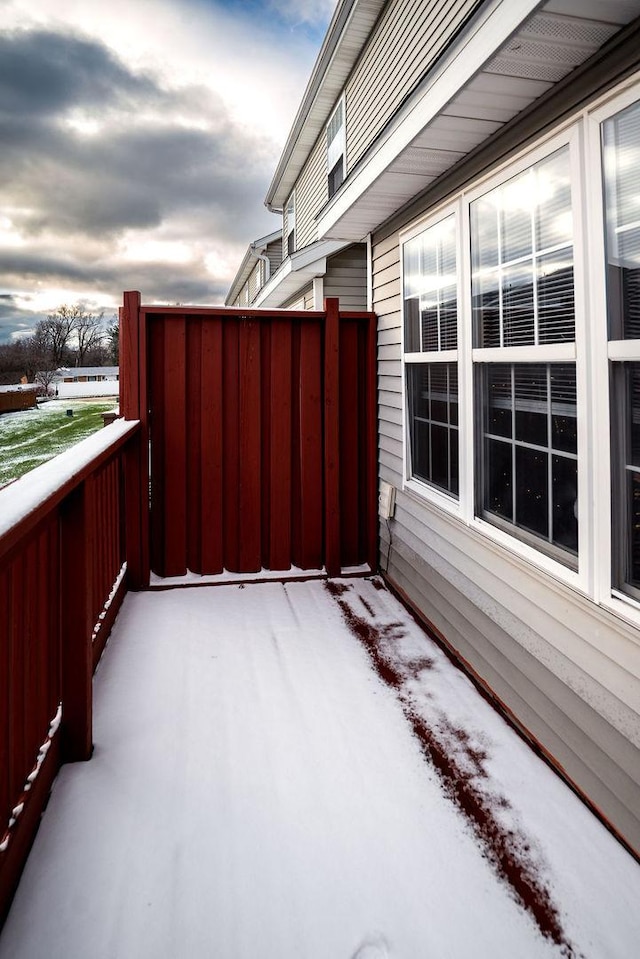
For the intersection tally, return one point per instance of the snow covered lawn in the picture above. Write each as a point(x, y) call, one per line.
point(296, 772)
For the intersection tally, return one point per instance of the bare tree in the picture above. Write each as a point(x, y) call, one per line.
point(55, 333)
point(89, 332)
point(45, 378)
point(113, 339)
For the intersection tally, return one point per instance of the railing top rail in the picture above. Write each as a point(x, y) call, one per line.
point(26, 501)
point(244, 312)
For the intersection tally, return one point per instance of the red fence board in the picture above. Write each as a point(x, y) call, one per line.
point(211, 445)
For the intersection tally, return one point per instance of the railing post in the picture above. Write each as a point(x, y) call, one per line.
point(332, 437)
point(75, 626)
point(134, 406)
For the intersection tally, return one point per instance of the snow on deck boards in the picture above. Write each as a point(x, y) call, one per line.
point(259, 790)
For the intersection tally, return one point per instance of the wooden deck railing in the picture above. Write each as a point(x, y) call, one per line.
point(63, 574)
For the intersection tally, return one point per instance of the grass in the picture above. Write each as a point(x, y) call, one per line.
point(32, 437)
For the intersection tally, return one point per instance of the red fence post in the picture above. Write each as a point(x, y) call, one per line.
point(134, 405)
point(332, 437)
point(371, 426)
point(75, 626)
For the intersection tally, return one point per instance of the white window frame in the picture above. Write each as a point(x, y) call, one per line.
point(337, 148)
point(258, 277)
point(412, 484)
point(605, 352)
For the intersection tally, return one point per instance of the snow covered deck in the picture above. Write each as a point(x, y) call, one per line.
point(296, 772)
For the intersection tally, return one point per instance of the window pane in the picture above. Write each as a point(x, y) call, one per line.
point(499, 404)
point(633, 496)
point(430, 326)
point(529, 476)
point(432, 390)
point(532, 486)
point(526, 252)
point(515, 223)
point(429, 262)
point(484, 229)
point(556, 309)
point(625, 429)
point(517, 305)
point(532, 405)
point(564, 425)
point(486, 310)
point(621, 163)
point(499, 478)
point(412, 325)
point(565, 502)
point(554, 226)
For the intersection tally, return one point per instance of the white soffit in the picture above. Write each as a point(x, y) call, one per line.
point(487, 79)
point(296, 272)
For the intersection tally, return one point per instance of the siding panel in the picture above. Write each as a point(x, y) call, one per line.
point(311, 193)
point(404, 45)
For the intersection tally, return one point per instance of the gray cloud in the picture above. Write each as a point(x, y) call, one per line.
point(131, 174)
point(43, 73)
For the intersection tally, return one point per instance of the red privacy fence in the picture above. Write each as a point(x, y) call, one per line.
point(262, 430)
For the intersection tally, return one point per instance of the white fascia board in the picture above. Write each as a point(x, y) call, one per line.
point(296, 271)
point(475, 47)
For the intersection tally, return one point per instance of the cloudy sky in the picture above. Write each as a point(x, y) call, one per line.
point(137, 141)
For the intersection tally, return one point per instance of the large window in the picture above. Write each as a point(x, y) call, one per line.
point(621, 165)
point(430, 343)
point(523, 296)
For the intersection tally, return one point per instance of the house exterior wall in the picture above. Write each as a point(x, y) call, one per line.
point(404, 44)
point(311, 193)
point(346, 277)
point(558, 652)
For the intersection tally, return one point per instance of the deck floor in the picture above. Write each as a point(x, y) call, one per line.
point(295, 771)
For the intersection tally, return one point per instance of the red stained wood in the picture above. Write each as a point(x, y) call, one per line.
point(333, 453)
point(6, 679)
point(211, 446)
point(250, 525)
point(194, 444)
point(130, 356)
point(279, 471)
point(231, 448)
point(266, 340)
point(310, 446)
point(77, 657)
point(352, 495)
point(370, 425)
point(175, 459)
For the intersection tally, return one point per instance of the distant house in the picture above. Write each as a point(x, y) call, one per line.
point(20, 397)
point(261, 261)
point(470, 171)
point(81, 381)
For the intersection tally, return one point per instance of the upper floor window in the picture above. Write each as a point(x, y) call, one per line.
point(290, 224)
point(336, 149)
point(258, 277)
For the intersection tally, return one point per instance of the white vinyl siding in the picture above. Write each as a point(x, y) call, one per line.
point(346, 277)
point(405, 43)
point(311, 193)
